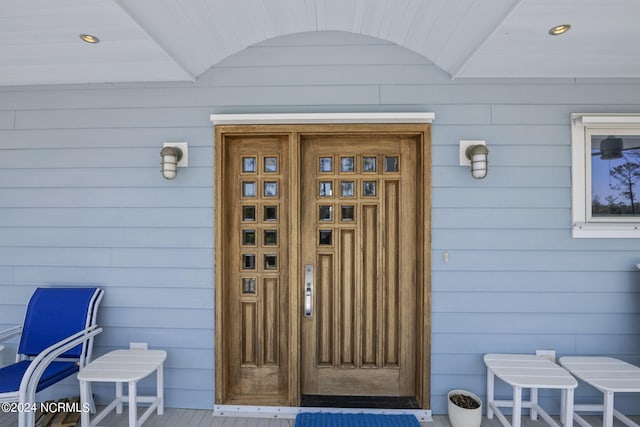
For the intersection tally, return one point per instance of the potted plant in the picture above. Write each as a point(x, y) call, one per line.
point(465, 409)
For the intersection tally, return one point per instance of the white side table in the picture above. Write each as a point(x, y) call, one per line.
point(522, 371)
point(119, 367)
point(609, 376)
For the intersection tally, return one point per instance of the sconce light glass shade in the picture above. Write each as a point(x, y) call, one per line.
point(478, 155)
point(170, 158)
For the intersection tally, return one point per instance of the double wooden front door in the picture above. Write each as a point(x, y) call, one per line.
point(322, 262)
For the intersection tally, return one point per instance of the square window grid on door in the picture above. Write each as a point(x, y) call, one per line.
point(260, 225)
point(341, 192)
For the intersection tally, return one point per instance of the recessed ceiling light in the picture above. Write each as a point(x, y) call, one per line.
point(559, 29)
point(89, 38)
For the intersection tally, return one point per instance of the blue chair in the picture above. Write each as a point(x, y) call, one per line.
point(56, 340)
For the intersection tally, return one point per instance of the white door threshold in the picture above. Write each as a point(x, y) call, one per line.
point(423, 415)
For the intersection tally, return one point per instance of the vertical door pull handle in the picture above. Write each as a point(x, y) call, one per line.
point(308, 290)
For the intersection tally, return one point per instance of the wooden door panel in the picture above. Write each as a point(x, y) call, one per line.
point(255, 280)
point(361, 338)
point(346, 299)
point(324, 309)
point(358, 382)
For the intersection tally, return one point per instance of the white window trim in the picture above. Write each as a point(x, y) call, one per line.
point(321, 118)
point(583, 226)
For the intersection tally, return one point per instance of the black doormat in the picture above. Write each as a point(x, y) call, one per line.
point(379, 402)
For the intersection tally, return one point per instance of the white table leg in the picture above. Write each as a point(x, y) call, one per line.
point(517, 406)
point(490, 382)
point(118, 398)
point(563, 404)
point(567, 407)
point(84, 397)
point(533, 412)
point(133, 407)
point(607, 413)
point(92, 404)
point(160, 388)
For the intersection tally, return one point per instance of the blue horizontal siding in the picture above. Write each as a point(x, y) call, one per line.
point(590, 303)
point(301, 75)
point(170, 196)
point(497, 218)
point(558, 114)
point(82, 202)
point(173, 318)
point(539, 93)
point(160, 236)
point(462, 197)
point(7, 119)
point(513, 283)
point(524, 176)
point(546, 321)
point(112, 118)
point(512, 135)
point(100, 176)
point(96, 158)
point(117, 138)
point(515, 157)
point(526, 260)
point(136, 277)
point(538, 236)
point(37, 217)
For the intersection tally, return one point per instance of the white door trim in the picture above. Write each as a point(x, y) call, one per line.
point(321, 118)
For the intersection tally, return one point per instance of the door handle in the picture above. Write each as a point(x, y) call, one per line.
point(308, 290)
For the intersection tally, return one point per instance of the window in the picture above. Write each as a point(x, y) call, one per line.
point(605, 175)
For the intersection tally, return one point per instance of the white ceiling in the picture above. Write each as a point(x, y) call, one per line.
point(177, 40)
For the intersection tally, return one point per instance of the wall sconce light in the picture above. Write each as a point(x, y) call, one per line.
point(475, 154)
point(174, 155)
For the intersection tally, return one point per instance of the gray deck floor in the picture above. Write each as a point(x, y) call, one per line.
point(204, 418)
